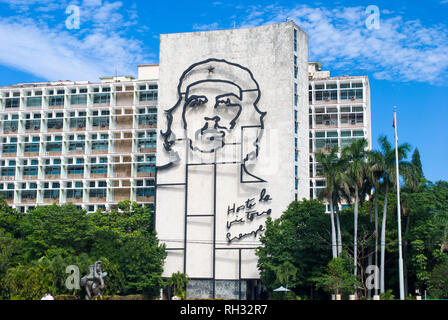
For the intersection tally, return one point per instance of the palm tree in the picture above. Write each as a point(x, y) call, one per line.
point(386, 165)
point(374, 175)
point(414, 182)
point(356, 171)
point(331, 167)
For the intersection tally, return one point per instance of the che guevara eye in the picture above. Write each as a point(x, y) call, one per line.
point(223, 102)
point(197, 101)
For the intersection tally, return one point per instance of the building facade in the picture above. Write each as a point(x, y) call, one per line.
point(233, 150)
point(92, 144)
point(339, 112)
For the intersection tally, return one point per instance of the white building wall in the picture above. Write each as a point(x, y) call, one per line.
point(269, 54)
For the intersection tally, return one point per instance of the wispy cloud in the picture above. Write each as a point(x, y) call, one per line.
point(45, 48)
point(400, 49)
point(206, 27)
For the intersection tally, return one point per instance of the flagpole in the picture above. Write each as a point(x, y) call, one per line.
point(400, 246)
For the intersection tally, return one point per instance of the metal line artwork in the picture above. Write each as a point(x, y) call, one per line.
point(214, 132)
point(218, 131)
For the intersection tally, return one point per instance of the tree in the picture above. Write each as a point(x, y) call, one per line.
point(286, 272)
point(43, 242)
point(356, 171)
point(300, 237)
point(438, 282)
point(128, 239)
point(178, 282)
point(337, 277)
point(386, 163)
point(415, 182)
point(331, 167)
point(53, 227)
point(11, 244)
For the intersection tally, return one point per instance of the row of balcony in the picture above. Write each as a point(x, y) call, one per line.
point(79, 124)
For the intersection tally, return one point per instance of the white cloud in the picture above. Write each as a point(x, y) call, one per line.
point(54, 53)
point(400, 50)
point(206, 27)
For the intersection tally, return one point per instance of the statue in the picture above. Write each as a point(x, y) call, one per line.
point(94, 281)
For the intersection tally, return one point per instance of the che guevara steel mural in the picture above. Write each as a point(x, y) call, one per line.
point(212, 96)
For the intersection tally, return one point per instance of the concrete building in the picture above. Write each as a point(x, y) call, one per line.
point(92, 144)
point(233, 111)
point(339, 112)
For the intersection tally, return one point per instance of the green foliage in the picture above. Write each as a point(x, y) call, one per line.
point(55, 227)
point(294, 247)
point(37, 247)
point(438, 282)
point(388, 295)
point(338, 277)
point(178, 282)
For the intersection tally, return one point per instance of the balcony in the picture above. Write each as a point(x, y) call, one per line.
point(145, 198)
point(122, 194)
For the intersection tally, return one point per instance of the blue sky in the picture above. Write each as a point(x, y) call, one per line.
point(406, 59)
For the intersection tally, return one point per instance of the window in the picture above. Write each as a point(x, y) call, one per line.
point(100, 122)
point(53, 170)
point(145, 192)
point(295, 39)
point(54, 146)
point(97, 193)
point(99, 169)
point(147, 119)
point(75, 169)
point(78, 99)
point(74, 193)
point(32, 125)
point(77, 122)
point(100, 145)
point(34, 101)
point(326, 92)
point(151, 95)
point(10, 125)
point(31, 147)
point(76, 146)
point(8, 172)
point(9, 148)
point(29, 194)
point(55, 123)
point(103, 98)
point(56, 101)
point(30, 171)
point(146, 167)
point(51, 194)
point(12, 103)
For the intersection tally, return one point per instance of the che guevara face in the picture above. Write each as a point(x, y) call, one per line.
point(210, 114)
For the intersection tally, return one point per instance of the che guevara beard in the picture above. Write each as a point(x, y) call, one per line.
point(208, 139)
